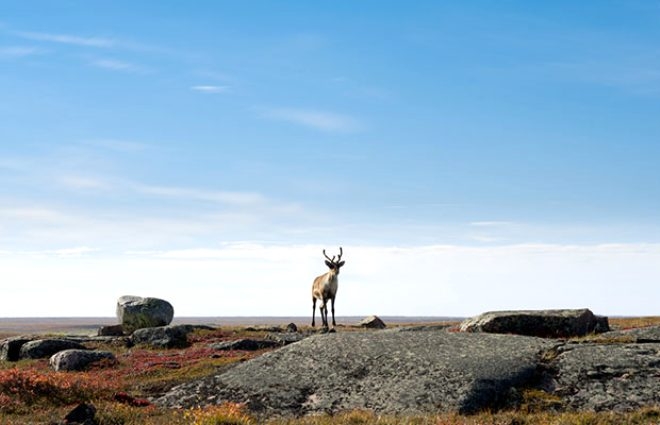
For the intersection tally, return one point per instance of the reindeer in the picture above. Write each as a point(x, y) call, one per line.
point(325, 288)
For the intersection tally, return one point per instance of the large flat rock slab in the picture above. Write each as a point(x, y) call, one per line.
point(608, 377)
point(540, 323)
point(385, 371)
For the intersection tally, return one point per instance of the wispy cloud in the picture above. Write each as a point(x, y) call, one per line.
point(67, 39)
point(117, 145)
point(319, 120)
point(118, 65)
point(11, 52)
point(82, 182)
point(634, 75)
point(72, 252)
point(209, 89)
point(490, 223)
point(31, 213)
point(226, 197)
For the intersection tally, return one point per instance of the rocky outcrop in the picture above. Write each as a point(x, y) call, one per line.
point(137, 313)
point(76, 360)
point(607, 377)
point(396, 372)
point(163, 336)
point(44, 348)
point(540, 323)
point(426, 370)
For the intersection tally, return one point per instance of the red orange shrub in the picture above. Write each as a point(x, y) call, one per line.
point(23, 388)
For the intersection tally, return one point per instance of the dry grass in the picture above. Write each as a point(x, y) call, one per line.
point(620, 323)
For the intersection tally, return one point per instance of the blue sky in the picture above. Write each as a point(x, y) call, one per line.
point(455, 148)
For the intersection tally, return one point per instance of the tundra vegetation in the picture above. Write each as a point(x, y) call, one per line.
point(31, 392)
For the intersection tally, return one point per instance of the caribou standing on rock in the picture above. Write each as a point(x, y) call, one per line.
point(324, 289)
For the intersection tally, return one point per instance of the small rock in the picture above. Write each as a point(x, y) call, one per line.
point(291, 328)
point(112, 330)
point(83, 414)
point(43, 348)
point(163, 337)
point(372, 322)
point(285, 338)
point(76, 360)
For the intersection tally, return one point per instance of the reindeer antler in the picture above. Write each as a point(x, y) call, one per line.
point(329, 259)
point(332, 260)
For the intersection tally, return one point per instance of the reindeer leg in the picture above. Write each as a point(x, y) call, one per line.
point(314, 310)
point(333, 312)
point(324, 314)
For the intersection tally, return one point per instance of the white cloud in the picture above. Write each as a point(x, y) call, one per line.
point(209, 89)
point(490, 223)
point(30, 214)
point(117, 145)
point(67, 39)
point(70, 252)
point(319, 120)
point(81, 182)
point(249, 279)
point(12, 52)
point(227, 197)
point(484, 238)
point(117, 65)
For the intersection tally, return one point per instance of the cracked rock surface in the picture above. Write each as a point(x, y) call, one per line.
point(426, 370)
point(387, 371)
point(604, 377)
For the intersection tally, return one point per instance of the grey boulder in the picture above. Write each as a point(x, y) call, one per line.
point(372, 322)
point(43, 348)
point(163, 336)
point(10, 348)
point(111, 330)
point(137, 312)
point(76, 360)
point(539, 323)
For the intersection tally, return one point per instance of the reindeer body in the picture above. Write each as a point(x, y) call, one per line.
point(324, 289)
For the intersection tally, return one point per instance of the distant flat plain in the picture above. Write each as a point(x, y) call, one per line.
point(89, 325)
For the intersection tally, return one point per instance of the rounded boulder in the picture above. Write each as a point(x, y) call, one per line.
point(136, 312)
point(76, 360)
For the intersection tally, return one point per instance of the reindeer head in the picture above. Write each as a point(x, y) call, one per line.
point(331, 263)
